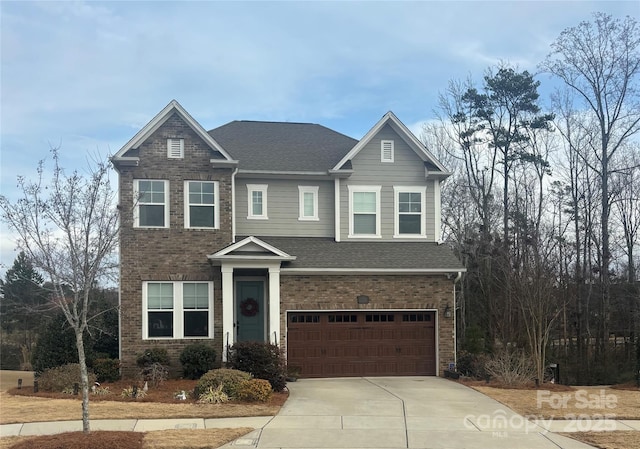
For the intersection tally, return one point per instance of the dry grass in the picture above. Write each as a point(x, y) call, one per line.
point(9, 379)
point(608, 440)
point(578, 401)
point(192, 439)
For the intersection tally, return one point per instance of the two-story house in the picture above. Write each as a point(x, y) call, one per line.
point(289, 233)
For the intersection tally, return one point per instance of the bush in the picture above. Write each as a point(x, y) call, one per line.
point(229, 380)
point(511, 367)
point(255, 390)
point(107, 370)
point(213, 396)
point(472, 365)
point(153, 355)
point(156, 373)
point(196, 360)
point(62, 378)
point(262, 360)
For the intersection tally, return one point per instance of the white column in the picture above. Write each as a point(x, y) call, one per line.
point(274, 305)
point(437, 203)
point(228, 331)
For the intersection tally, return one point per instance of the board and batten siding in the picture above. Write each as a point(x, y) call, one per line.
point(407, 169)
point(283, 209)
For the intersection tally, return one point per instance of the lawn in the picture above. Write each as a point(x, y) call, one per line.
point(561, 402)
point(21, 406)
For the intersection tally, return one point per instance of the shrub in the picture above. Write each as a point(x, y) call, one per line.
point(213, 396)
point(156, 373)
point(262, 360)
point(62, 378)
point(129, 393)
point(511, 367)
point(255, 390)
point(197, 359)
point(107, 370)
point(153, 355)
point(228, 380)
point(472, 365)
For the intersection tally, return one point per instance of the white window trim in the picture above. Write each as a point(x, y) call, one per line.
point(301, 191)
point(187, 209)
point(377, 190)
point(422, 190)
point(136, 202)
point(170, 143)
point(178, 310)
point(257, 188)
point(382, 144)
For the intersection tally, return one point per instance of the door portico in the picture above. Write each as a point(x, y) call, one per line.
point(249, 254)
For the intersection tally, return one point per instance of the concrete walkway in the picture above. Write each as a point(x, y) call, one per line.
point(398, 412)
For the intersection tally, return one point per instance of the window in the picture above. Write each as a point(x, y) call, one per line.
point(257, 196)
point(386, 150)
point(175, 148)
point(308, 202)
point(364, 211)
point(177, 309)
point(409, 207)
point(151, 199)
point(200, 199)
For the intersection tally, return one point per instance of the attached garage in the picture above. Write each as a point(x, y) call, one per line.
point(362, 343)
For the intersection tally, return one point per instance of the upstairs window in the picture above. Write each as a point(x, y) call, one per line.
point(386, 150)
point(308, 203)
point(201, 209)
point(151, 203)
point(410, 208)
point(364, 211)
point(175, 148)
point(257, 199)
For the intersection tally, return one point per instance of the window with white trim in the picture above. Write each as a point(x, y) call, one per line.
point(151, 199)
point(364, 211)
point(409, 211)
point(175, 148)
point(386, 150)
point(308, 203)
point(257, 199)
point(177, 310)
point(201, 204)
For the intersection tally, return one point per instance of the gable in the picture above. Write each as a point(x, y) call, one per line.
point(250, 248)
point(129, 154)
point(390, 122)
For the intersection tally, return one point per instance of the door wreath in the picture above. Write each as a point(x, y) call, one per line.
point(249, 307)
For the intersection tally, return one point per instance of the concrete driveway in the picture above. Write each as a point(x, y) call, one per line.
point(398, 412)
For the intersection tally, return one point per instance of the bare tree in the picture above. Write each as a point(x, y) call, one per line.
point(68, 228)
point(600, 62)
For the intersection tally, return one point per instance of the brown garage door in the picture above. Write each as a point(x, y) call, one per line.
point(381, 343)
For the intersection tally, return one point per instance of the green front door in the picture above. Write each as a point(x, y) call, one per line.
point(250, 311)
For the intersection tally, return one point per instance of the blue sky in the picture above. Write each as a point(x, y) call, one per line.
point(86, 76)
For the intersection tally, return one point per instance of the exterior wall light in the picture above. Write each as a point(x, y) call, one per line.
point(447, 311)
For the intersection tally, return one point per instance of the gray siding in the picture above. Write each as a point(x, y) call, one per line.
point(406, 170)
point(282, 209)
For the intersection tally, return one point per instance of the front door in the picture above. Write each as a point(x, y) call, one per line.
point(250, 311)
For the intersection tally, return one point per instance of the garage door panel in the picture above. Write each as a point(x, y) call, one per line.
point(331, 344)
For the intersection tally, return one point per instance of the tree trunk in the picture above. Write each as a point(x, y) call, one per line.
point(84, 379)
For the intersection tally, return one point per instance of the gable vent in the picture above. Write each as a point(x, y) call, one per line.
point(386, 150)
point(175, 148)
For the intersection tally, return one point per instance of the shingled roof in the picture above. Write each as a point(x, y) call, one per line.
point(281, 146)
point(326, 253)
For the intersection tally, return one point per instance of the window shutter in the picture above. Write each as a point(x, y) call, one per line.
point(387, 150)
point(175, 148)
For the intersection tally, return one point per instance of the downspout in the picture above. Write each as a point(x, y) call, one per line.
point(336, 208)
point(233, 205)
point(455, 324)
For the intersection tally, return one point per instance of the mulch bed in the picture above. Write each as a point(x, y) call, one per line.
point(79, 440)
point(163, 393)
